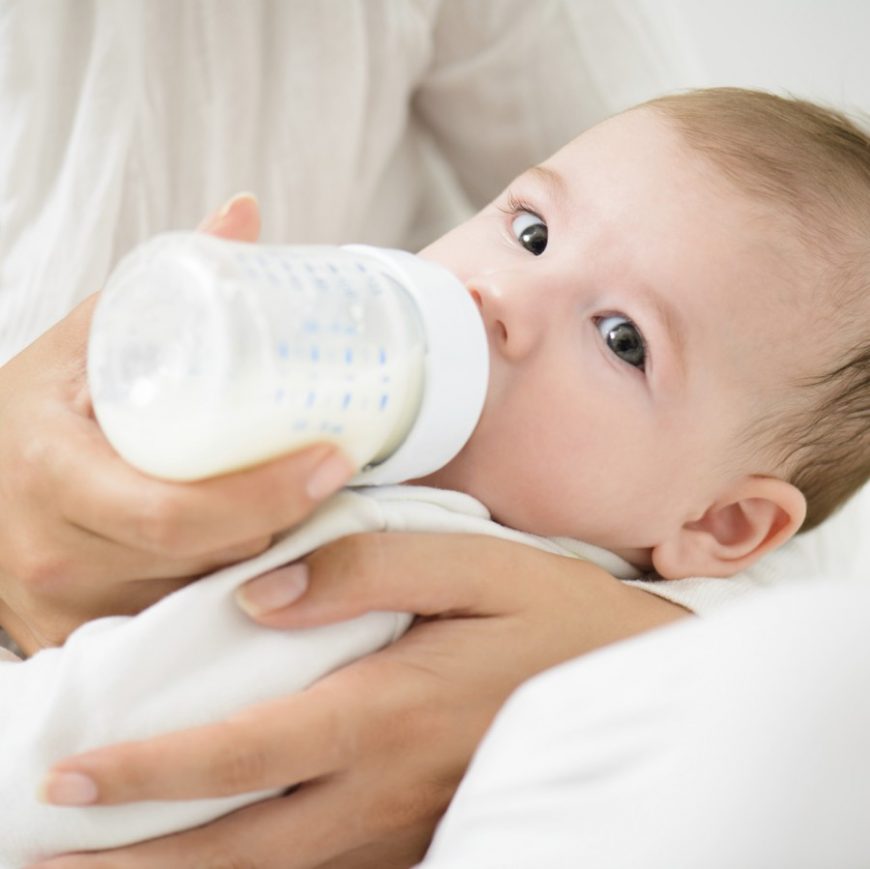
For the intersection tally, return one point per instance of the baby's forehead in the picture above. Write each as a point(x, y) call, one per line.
point(779, 242)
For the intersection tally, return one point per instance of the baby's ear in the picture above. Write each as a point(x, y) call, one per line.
point(754, 516)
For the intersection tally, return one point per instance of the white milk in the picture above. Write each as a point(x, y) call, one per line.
point(208, 356)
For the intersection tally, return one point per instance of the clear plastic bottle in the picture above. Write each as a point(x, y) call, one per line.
point(207, 356)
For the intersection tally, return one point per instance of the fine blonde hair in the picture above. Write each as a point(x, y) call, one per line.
point(812, 164)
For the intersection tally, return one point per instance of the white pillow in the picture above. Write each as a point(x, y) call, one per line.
point(734, 741)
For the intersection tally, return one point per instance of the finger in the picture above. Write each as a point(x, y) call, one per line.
point(299, 831)
point(238, 219)
point(269, 745)
point(197, 567)
point(152, 578)
point(99, 491)
point(115, 581)
point(98, 563)
point(118, 561)
point(463, 576)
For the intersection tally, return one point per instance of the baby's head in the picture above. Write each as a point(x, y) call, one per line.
point(678, 308)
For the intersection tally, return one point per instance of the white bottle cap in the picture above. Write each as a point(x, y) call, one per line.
point(456, 369)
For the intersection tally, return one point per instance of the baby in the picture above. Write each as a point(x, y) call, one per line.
point(677, 308)
point(677, 304)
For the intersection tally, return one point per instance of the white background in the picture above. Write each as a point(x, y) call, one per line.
point(818, 49)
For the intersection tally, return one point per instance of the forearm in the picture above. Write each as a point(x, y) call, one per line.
point(623, 611)
point(191, 659)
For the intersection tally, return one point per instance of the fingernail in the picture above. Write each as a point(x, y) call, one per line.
point(213, 221)
point(329, 476)
point(68, 789)
point(273, 591)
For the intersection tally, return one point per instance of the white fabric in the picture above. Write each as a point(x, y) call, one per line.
point(736, 741)
point(191, 659)
point(353, 121)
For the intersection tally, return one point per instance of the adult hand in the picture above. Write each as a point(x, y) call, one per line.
point(85, 535)
point(378, 747)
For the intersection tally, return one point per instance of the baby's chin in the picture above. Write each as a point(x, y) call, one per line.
point(449, 476)
point(438, 480)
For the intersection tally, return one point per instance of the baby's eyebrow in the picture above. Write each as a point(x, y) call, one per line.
point(549, 178)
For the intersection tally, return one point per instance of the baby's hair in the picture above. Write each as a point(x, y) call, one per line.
point(813, 165)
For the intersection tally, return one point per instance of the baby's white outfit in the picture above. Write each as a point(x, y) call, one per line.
point(193, 658)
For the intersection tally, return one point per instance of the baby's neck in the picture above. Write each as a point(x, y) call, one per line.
point(639, 558)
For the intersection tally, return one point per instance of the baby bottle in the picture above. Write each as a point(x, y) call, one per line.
point(207, 355)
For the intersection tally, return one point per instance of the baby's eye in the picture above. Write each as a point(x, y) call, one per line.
point(531, 232)
point(624, 339)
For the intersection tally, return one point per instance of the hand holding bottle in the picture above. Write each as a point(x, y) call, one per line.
point(207, 356)
point(86, 535)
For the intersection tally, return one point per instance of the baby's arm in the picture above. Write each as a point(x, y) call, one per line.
point(191, 658)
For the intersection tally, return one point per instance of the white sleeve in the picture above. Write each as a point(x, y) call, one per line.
point(190, 659)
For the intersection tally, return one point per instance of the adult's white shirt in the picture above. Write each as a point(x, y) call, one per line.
point(352, 120)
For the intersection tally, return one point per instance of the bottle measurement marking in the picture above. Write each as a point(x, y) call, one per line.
point(329, 368)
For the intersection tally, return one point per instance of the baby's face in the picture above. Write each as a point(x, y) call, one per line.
point(641, 313)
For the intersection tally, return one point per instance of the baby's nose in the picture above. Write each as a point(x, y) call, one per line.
point(513, 325)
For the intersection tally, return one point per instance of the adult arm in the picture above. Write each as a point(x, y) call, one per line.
point(192, 658)
point(83, 534)
point(384, 741)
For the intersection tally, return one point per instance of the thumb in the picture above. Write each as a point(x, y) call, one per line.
point(427, 574)
point(238, 218)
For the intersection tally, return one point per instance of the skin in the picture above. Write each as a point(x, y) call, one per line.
point(655, 445)
point(85, 535)
point(653, 473)
point(354, 739)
